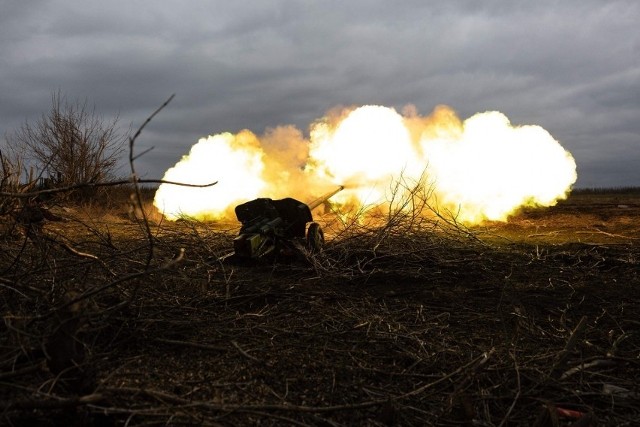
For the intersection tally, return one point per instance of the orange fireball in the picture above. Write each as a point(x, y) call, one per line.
point(482, 168)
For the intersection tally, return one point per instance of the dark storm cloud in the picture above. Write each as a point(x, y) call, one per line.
point(571, 67)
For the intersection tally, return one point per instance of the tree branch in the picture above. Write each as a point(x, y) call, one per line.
point(29, 194)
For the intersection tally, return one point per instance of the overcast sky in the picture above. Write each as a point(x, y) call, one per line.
point(572, 67)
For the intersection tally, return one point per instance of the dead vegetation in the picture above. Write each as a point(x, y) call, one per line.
point(111, 318)
point(414, 322)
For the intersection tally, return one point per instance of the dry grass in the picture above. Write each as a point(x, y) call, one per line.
point(413, 322)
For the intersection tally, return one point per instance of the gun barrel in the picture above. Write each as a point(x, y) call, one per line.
point(320, 200)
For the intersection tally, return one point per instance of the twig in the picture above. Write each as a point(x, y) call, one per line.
point(33, 368)
point(134, 178)
point(244, 353)
point(30, 194)
point(146, 122)
point(191, 344)
point(478, 361)
point(4, 283)
point(54, 403)
point(607, 234)
point(600, 363)
point(571, 343)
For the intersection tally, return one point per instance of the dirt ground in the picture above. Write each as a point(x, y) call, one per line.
point(534, 322)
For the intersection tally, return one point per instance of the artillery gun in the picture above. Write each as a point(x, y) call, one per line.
point(271, 227)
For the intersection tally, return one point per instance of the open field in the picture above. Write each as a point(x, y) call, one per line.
point(532, 322)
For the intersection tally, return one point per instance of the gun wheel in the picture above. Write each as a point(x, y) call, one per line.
point(315, 237)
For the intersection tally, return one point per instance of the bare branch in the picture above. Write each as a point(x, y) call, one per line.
point(29, 194)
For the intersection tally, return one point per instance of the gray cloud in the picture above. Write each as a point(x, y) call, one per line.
point(572, 67)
